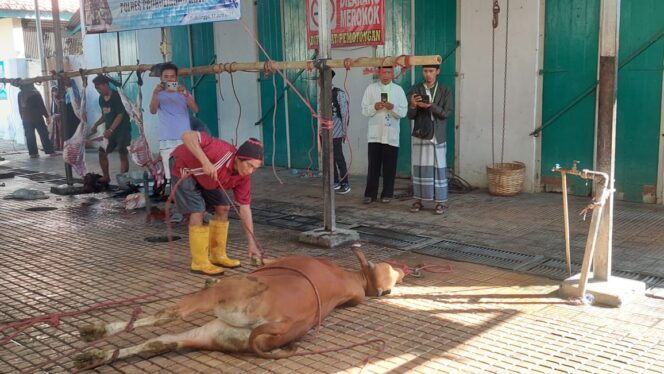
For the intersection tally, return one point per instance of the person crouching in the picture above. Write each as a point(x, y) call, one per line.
point(223, 168)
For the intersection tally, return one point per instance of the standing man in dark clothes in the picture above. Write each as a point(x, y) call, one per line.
point(33, 111)
point(118, 127)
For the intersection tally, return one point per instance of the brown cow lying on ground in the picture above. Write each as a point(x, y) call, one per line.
point(257, 312)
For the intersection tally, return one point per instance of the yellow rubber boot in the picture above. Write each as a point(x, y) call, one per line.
point(218, 240)
point(199, 240)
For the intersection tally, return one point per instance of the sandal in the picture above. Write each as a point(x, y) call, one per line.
point(416, 207)
point(439, 209)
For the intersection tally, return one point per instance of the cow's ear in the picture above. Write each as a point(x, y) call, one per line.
point(360, 255)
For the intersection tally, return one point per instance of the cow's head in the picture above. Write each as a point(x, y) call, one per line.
point(380, 277)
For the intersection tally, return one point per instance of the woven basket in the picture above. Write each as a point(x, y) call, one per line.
point(506, 179)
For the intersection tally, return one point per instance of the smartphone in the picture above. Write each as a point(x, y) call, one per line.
point(383, 97)
point(425, 98)
point(172, 86)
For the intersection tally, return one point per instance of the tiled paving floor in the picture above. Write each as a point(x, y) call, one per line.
point(475, 319)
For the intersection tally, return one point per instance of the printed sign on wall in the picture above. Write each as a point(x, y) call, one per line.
point(3, 88)
point(118, 15)
point(352, 22)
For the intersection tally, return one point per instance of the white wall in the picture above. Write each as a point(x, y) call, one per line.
point(233, 44)
point(149, 53)
point(474, 88)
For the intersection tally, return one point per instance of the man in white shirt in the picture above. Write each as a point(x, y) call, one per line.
point(385, 103)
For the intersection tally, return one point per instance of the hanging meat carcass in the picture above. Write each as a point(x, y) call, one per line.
point(73, 150)
point(139, 148)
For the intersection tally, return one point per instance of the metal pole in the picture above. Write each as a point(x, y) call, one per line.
point(42, 55)
point(606, 129)
point(59, 68)
point(325, 102)
point(568, 255)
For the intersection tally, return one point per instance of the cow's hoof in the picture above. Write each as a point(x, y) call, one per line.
point(210, 282)
point(92, 332)
point(89, 358)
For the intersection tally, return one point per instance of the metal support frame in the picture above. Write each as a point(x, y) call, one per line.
point(59, 67)
point(325, 112)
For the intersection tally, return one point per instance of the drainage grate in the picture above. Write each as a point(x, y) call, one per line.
point(41, 209)
point(650, 280)
point(258, 215)
point(389, 237)
point(479, 255)
point(294, 222)
point(42, 177)
point(553, 268)
point(161, 239)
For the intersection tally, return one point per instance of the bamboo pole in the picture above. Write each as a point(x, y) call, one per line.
point(232, 67)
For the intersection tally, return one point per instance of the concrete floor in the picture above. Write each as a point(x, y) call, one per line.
point(475, 319)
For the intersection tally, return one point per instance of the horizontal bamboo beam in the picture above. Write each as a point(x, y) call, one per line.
point(232, 67)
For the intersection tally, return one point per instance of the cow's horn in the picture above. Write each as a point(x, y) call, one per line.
point(371, 265)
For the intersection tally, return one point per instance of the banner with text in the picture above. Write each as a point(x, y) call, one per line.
point(118, 15)
point(352, 22)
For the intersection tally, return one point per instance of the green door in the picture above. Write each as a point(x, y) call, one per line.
point(194, 46)
point(268, 14)
point(398, 42)
point(571, 35)
point(639, 99)
point(439, 40)
point(301, 124)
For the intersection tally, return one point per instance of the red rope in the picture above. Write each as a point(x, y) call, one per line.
point(53, 319)
point(416, 271)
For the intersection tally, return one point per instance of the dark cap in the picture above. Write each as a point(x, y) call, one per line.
point(252, 149)
point(435, 66)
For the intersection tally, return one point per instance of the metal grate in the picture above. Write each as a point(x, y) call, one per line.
point(259, 215)
point(389, 237)
point(650, 280)
point(553, 268)
point(295, 222)
point(477, 254)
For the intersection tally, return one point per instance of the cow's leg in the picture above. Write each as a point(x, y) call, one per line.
point(201, 301)
point(205, 337)
point(93, 332)
point(273, 335)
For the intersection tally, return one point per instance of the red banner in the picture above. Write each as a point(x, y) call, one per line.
point(352, 22)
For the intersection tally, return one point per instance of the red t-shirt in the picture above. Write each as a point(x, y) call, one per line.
point(216, 150)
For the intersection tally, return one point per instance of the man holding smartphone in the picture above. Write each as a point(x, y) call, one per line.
point(385, 103)
point(171, 103)
point(430, 105)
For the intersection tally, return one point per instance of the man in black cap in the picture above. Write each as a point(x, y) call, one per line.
point(214, 165)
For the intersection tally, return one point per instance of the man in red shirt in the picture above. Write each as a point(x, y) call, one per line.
point(219, 165)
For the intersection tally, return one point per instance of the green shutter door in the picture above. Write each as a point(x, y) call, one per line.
point(194, 46)
point(301, 124)
point(639, 99)
point(205, 90)
point(268, 14)
point(438, 40)
point(398, 42)
point(570, 70)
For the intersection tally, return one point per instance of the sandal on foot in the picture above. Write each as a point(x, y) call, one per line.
point(439, 209)
point(416, 207)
